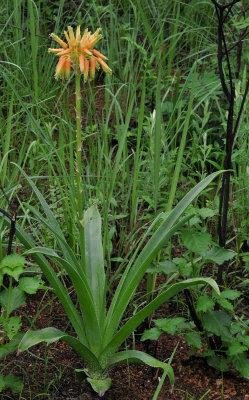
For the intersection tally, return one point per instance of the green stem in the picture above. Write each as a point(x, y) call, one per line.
point(78, 167)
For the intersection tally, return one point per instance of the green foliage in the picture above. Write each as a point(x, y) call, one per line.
point(193, 339)
point(204, 303)
point(12, 382)
point(12, 265)
point(12, 298)
point(149, 133)
point(234, 343)
point(198, 242)
point(217, 322)
point(99, 338)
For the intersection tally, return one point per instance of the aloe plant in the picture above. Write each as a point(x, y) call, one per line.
point(97, 332)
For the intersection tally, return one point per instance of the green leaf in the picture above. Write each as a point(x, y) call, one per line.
point(138, 264)
point(12, 326)
point(185, 268)
point(80, 374)
point(17, 299)
point(218, 323)
point(100, 386)
point(204, 303)
point(219, 255)
point(165, 373)
point(170, 325)
point(245, 340)
point(218, 362)
point(198, 242)
point(50, 335)
point(50, 222)
point(95, 272)
point(134, 356)
point(241, 363)
point(11, 346)
point(14, 383)
point(205, 212)
point(151, 334)
point(236, 348)
point(193, 339)
point(85, 298)
point(226, 304)
point(166, 267)
point(12, 261)
point(15, 273)
point(30, 285)
point(236, 328)
point(13, 265)
point(140, 316)
point(230, 294)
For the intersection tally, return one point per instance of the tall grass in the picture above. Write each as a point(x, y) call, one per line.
point(129, 157)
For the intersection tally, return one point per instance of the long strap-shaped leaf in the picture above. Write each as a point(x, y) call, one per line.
point(95, 272)
point(50, 335)
point(69, 255)
point(50, 274)
point(85, 298)
point(52, 222)
point(136, 320)
point(130, 280)
point(139, 357)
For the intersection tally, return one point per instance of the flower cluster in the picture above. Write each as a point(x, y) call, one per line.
point(79, 53)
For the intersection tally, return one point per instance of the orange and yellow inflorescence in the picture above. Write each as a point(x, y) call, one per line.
point(79, 53)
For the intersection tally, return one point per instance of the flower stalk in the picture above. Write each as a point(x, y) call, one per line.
point(78, 52)
point(78, 167)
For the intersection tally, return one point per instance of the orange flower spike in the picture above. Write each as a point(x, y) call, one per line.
point(81, 63)
point(67, 67)
point(98, 54)
point(79, 53)
point(86, 70)
point(92, 67)
point(58, 40)
point(104, 66)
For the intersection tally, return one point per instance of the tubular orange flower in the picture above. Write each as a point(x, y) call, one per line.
point(81, 63)
point(86, 69)
point(67, 67)
point(104, 65)
point(79, 53)
point(98, 54)
point(92, 67)
point(59, 72)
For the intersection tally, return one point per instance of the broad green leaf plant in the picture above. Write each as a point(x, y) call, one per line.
point(99, 330)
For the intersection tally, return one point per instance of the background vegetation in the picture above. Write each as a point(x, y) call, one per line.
point(151, 132)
